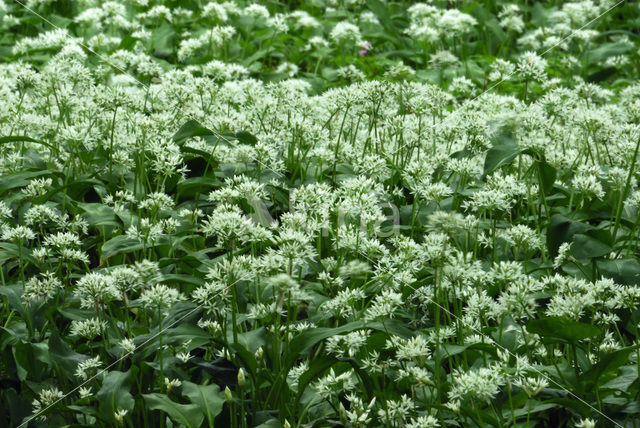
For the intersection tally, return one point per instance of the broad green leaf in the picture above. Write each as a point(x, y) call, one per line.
point(561, 229)
point(606, 50)
point(222, 371)
point(628, 376)
point(208, 397)
point(119, 244)
point(271, 423)
point(62, 355)
point(609, 363)
point(19, 179)
point(189, 415)
point(547, 176)
point(563, 329)
point(32, 360)
point(184, 332)
point(502, 153)
point(10, 251)
point(193, 128)
point(98, 214)
point(622, 271)
point(13, 294)
point(587, 247)
point(246, 138)
point(309, 338)
point(193, 185)
point(115, 393)
point(21, 138)
point(531, 407)
point(162, 38)
point(316, 368)
point(382, 12)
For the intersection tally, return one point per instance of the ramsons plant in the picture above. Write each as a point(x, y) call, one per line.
point(319, 214)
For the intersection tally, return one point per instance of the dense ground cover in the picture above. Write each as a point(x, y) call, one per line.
point(327, 213)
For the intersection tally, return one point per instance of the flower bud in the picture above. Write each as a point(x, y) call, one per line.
point(227, 394)
point(343, 413)
point(242, 380)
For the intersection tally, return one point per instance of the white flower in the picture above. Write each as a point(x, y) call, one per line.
point(46, 398)
point(88, 329)
point(119, 415)
point(160, 296)
point(586, 423)
point(95, 290)
point(345, 32)
point(87, 366)
point(532, 67)
point(17, 234)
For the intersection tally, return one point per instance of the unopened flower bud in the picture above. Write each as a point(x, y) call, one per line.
point(227, 394)
point(342, 412)
point(242, 380)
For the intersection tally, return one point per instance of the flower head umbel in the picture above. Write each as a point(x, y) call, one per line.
point(46, 398)
point(160, 296)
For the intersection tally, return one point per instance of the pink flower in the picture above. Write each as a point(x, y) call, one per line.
point(367, 46)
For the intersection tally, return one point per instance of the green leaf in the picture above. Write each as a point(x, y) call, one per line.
point(21, 138)
point(587, 247)
point(62, 355)
point(189, 415)
point(502, 153)
point(10, 251)
point(606, 50)
point(622, 271)
point(162, 38)
point(609, 363)
point(547, 176)
point(32, 360)
point(119, 244)
point(190, 129)
point(246, 138)
point(308, 338)
point(13, 294)
point(208, 397)
point(561, 229)
point(193, 185)
point(271, 423)
point(317, 366)
point(184, 332)
point(531, 407)
point(563, 329)
point(115, 393)
point(98, 214)
point(19, 179)
point(382, 13)
point(627, 377)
